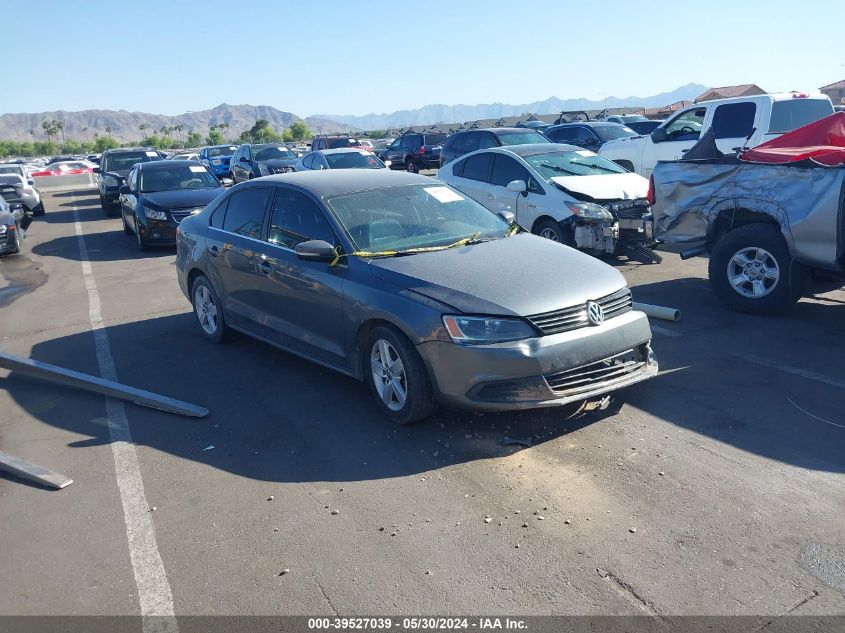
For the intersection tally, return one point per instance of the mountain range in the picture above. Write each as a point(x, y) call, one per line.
point(83, 125)
point(439, 113)
point(124, 126)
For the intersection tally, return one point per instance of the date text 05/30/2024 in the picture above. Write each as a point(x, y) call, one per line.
point(417, 623)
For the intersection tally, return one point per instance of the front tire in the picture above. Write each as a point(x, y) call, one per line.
point(39, 209)
point(397, 376)
point(208, 310)
point(411, 166)
point(551, 230)
point(126, 229)
point(752, 270)
point(139, 239)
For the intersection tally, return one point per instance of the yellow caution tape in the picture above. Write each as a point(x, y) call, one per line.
point(422, 249)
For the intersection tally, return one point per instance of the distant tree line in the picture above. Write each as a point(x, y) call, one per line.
point(166, 137)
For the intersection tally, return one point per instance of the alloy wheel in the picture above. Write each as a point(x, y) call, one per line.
point(753, 272)
point(550, 234)
point(206, 309)
point(388, 375)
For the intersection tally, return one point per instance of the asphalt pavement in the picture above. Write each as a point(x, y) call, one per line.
point(716, 488)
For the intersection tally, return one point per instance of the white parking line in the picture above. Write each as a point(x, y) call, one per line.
point(795, 371)
point(154, 593)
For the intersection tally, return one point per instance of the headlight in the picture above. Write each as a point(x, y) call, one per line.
point(216, 161)
point(154, 215)
point(110, 181)
point(589, 211)
point(2, 229)
point(472, 330)
point(262, 169)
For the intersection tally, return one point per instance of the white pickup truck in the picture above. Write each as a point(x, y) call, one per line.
point(733, 120)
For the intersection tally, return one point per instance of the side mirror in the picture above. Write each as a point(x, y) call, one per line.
point(315, 251)
point(227, 182)
point(30, 182)
point(659, 135)
point(388, 163)
point(507, 216)
point(96, 170)
point(517, 186)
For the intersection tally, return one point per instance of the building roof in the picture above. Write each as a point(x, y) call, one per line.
point(664, 111)
point(726, 92)
point(839, 85)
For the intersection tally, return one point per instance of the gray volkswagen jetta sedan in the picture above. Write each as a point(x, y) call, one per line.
point(405, 283)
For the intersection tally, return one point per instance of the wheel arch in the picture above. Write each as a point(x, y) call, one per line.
point(360, 340)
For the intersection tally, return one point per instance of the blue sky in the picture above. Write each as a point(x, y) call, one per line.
point(334, 57)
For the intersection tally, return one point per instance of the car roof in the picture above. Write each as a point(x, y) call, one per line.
point(332, 182)
point(120, 150)
point(342, 150)
point(530, 149)
point(164, 164)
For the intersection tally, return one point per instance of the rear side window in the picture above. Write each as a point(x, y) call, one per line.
point(562, 134)
point(245, 212)
point(788, 115)
point(466, 143)
point(218, 214)
point(487, 141)
point(295, 219)
point(477, 167)
point(433, 140)
point(734, 120)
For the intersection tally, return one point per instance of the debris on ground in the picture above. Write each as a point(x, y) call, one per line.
point(270, 498)
point(632, 530)
point(284, 572)
point(487, 519)
point(335, 511)
point(602, 572)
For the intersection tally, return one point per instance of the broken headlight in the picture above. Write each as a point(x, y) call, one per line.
point(473, 330)
point(590, 211)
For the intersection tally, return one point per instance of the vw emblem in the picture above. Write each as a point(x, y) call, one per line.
point(595, 313)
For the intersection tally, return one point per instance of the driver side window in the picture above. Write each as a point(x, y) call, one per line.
point(687, 125)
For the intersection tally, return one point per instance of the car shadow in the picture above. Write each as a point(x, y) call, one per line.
point(772, 386)
point(274, 417)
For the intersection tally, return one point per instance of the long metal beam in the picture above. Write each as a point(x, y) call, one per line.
point(25, 470)
point(71, 378)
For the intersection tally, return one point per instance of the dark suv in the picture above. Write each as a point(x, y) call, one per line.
point(590, 135)
point(265, 159)
point(114, 166)
point(414, 151)
point(462, 143)
point(334, 142)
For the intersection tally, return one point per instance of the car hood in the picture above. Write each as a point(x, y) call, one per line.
point(604, 187)
point(181, 198)
point(517, 276)
point(279, 162)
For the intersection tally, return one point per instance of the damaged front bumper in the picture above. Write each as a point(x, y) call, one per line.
point(544, 371)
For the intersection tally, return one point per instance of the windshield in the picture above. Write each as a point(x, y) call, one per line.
point(11, 169)
point(337, 143)
point(272, 152)
point(177, 177)
point(221, 150)
point(572, 163)
point(633, 118)
point(353, 160)
point(124, 161)
point(413, 216)
point(521, 138)
point(613, 132)
point(788, 115)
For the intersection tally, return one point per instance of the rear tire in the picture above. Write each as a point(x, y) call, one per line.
point(397, 376)
point(410, 166)
point(208, 311)
point(126, 229)
point(39, 209)
point(752, 270)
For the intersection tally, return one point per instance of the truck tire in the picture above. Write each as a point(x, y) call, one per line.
point(752, 270)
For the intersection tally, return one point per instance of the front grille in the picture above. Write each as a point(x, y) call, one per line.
point(605, 372)
point(628, 209)
point(575, 317)
point(180, 214)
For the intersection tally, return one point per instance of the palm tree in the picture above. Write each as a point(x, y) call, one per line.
point(143, 128)
point(224, 126)
point(85, 132)
point(47, 126)
point(108, 131)
point(60, 126)
point(178, 128)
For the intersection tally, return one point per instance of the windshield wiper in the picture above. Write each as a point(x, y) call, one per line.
point(558, 168)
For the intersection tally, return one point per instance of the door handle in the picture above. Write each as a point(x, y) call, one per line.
point(214, 251)
point(265, 267)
